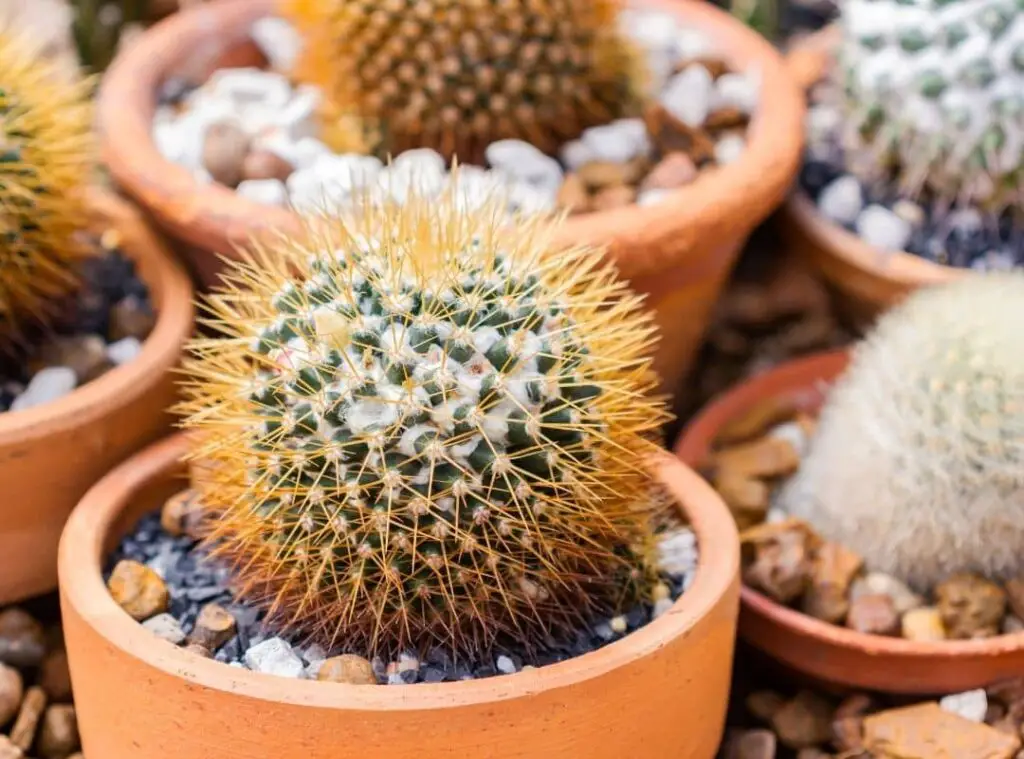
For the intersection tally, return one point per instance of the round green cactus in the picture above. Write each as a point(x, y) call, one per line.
point(428, 426)
point(934, 89)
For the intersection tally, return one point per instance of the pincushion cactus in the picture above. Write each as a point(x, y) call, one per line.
point(935, 90)
point(46, 156)
point(426, 426)
point(456, 76)
point(917, 462)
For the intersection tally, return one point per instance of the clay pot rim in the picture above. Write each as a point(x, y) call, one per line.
point(808, 60)
point(80, 569)
point(200, 212)
point(823, 366)
point(171, 292)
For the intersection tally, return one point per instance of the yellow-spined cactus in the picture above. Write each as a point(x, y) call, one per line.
point(427, 426)
point(456, 75)
point(46, 158)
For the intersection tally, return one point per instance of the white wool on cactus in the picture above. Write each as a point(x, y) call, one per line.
point(918, 462)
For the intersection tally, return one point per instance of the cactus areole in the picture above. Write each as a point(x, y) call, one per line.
point(427, 427)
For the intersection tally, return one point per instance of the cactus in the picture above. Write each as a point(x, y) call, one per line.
point(934, 95)
point(456, 76)
point(426, 426)
point(46, 157)
point(917, 460)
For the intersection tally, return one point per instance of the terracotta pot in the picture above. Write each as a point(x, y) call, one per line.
point(661, 692)
point(680, 251)
point(51, 454)
point(865, 280)
point(819, 651)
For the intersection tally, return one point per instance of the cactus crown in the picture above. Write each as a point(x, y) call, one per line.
point(935, 90)
point(46, 156)
point(456, 76)
point(426, 427)
point(917, 460)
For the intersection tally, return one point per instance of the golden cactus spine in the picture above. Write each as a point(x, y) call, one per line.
point(47, 155)
point(427, 426)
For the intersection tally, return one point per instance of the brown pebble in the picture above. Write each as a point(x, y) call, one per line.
point(572, 195)
point(12, 690)
point(58, 733)
point(138, 590)
point(225, 147)
point(199, 650)
point(756, 421)
point(613, 197)
point(8, 750)
point(214, 627)
point(834, 568)
point(923, 624)
point(131, 317)
point(24, 731)
point(748, 498)
point(848, 733)
point(970, 606)
point(86, 355)
point(1015, 596)
point(781, 566)
point(265, 164)
point(22, 642)
point(926, 731)
point(726, 118)
point(768, 457)
point(54, 676)
point(750, 744)
point(674, 170)
point(763, 704)
point(873, 614)
point(804, 722)
point(181, 514)
point(600, 175)
point(347, 668)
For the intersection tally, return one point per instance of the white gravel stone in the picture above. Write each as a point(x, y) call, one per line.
point(270, 192)
point(971, 704)
point(332, 181)
point(618, 142)
point(576, 154)
point(505, 665)
point(793, 434)
point(903, 598)
point(822, 120)
point(879, 226)
point(677, 551)
point(775, 515)
point(408, 663)
point(691, 43)
point(652, 197)
point(739, 91)
point(688, 95)
point(313, 654)
point(246, 87)
point(618, 624)
point(278, 40)
point(124, 350)
point(274, 657)
point(661, 606)
point(525, 163)
point(842, 200)
point(298, 118)
point(47, 385)
point(165, 626)
point(729, 149)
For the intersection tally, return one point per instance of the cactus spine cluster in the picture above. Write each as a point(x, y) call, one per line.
point(456, 76)
point(46, 157)
point(934, 91)
point(426, 426)
point(917, 460)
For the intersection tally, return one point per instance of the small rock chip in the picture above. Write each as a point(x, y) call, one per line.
point(9, 751)
point(12, 690)
point(199, 650)
point(58, 733)
point(214, 627)
point(27, 722)
point(618, 624)
point(927, 731)
point(85, 355)
point(687, 96)
point(768, 457)
point(729, 149)
point(572, 195)
point(970, 606)
point(879, 226)
point(181, 514)
point(274, 657)
point(923, 624)
point(748, 498)
point(834, 568)
point(225, 147)
point(505, 665)
point(763, 704)
point(903, 598)
point(598, 175)
point(54, 677)
point(138, 590)
point(167, 627)
point(613, 197)
point(46, 385)
point(347, 668)
point(125, 350)
point(270, 192)
point(750, 744)
point(22, 641)
point(842, 200)
point(781, 566)
point(755, 421)
point(804, 722)
point(848, 733)
point(131, 317)
point(874, 615)
point(265, 164)
point(971, 704)
point(674, 170)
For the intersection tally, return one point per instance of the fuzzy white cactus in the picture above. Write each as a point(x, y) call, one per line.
point(918, 462)
point(935, 89)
